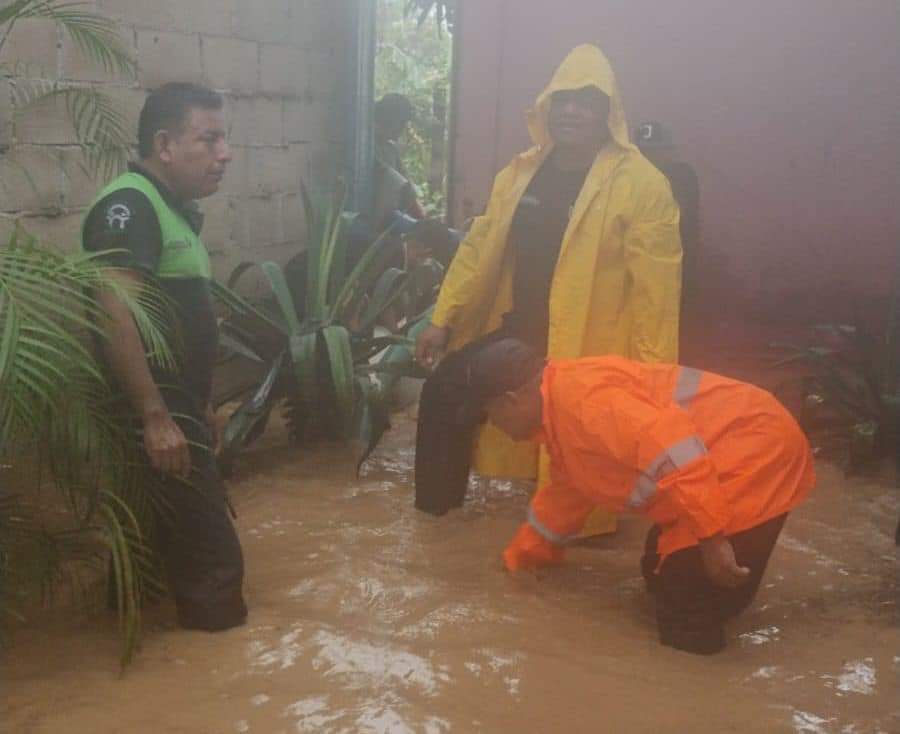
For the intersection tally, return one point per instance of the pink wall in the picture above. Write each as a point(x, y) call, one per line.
point(788, 109)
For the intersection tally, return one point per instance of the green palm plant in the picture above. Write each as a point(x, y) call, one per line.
point(58, 414)
point(100, 126)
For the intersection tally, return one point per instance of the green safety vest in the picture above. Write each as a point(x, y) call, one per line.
point(183, 254)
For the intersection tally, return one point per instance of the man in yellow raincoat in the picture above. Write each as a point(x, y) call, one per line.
point(577, 254)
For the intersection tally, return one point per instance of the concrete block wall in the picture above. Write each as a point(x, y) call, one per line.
point(282, 66)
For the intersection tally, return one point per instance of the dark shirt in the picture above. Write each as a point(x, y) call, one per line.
point(535, 236)
point(125, 220)
point(686, 192)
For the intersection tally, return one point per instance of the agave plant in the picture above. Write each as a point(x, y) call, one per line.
point(57, 415)
point(325, 351)
point(100, 127)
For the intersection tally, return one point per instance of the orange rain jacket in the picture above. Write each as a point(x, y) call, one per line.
point(697, 453)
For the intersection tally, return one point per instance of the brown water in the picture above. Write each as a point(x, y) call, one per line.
point(367, 616)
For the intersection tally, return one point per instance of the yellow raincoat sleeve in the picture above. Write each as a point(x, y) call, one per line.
point(460, 290)
point(653, 263)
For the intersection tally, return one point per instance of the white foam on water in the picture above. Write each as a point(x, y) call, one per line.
point(383, 721)
point(242, 727)
point(283, 656)
point(761, 636)
point(302, 589)
point(512, 685)
point(310, 714)
point(807, 723)
point(791, 543)
point(859, 676)
point(369, 665)
point(435, 725)
point(260, 699)
point(767, 671)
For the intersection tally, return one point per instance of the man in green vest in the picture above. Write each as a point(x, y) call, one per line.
point(148, 216)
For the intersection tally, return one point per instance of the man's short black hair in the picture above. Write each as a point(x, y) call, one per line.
point(496, 368)
point(393, 108)
point(167, 108)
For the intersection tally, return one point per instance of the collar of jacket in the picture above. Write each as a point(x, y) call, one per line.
point(188, 209)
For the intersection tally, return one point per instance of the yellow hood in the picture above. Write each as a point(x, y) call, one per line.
point(585, 66)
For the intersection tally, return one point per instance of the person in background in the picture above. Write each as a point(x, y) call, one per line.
point(149, 218)
point(391, 186)
point(716, 464)
point(577, 254)
point(655, 142)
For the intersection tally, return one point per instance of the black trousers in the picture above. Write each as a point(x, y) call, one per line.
point(691, 610)
point(444, 435)
point(196, 539)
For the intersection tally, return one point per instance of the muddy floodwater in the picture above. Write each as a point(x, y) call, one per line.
point(367, 616)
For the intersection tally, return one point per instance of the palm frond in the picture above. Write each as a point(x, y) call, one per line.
point(57, 407)
point(97, 36)
point(102, 130)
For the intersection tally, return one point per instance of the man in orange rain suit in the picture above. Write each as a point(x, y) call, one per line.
point(716, 464)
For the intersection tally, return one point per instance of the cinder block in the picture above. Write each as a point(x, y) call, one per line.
point(7, 227)
point(79, 66)
point(46, 121)
point(267, 21)
point(62, 232)
point(156, 15)
point(299, 120)
point(209, 17)
point(235, 181)
point(79, 184)
point(231, 64)
point(315, 23)
point(325, 164)
point(280, 252)
point(263, 222)
point(283, 70)
point(129, 101)
point(223, 224)
point(257, 121)
point(6, 115)
point(324, 76)
point(293, 218)
point(31, 49)
point(276, 170)
point(168, 57)
point(31, 180)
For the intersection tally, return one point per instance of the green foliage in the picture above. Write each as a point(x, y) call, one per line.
point(414, 59)
point(58, 413)
point(319, 337)
point(844, 391)
point(99, 125)
point(443, 12)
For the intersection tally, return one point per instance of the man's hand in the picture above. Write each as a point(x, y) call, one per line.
point(215, 430)
point(431, 344)
point(720, 563)
point(166, 445)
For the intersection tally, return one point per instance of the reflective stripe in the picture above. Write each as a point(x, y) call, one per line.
point(688, 384)
point(546, 533)
point(673, 458)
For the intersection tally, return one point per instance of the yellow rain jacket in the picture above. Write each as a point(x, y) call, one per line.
point(616, 287)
